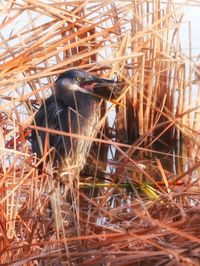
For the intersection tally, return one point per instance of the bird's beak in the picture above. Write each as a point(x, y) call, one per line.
point(105, 88)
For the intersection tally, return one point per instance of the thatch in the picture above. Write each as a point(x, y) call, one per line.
point(154, 220)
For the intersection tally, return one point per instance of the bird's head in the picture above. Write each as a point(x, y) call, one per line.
point(77, 80)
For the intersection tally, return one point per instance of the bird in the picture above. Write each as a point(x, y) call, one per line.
point(74, 107)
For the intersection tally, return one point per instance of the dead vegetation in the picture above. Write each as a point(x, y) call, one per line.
point(146, 209)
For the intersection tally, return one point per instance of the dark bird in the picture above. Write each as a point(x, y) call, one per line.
point(74, 107)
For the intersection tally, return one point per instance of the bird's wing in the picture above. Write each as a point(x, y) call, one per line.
point(52, 114)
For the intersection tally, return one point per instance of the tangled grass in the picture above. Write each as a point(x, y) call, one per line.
point(146, 209)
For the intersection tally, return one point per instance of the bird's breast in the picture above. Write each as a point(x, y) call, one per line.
point(82, 120)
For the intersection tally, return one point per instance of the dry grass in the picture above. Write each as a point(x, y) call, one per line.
point(141, 216)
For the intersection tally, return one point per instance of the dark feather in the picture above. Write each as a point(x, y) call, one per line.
point(72, 109)
point(56, 115)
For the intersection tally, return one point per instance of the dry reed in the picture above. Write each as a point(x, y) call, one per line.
point(139, 42)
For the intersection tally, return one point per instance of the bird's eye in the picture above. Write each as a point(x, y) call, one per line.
point(78, 79)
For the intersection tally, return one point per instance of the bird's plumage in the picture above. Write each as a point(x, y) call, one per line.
point(70, 109)
point(57, 115)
